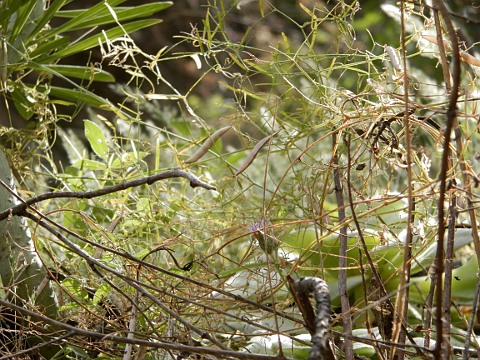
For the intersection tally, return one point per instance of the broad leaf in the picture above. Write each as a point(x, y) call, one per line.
point(96, 138)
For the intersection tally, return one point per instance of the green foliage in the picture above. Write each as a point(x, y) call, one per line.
point(319, 102)
point(32, 50)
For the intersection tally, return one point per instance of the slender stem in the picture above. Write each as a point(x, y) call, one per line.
point(447, 292)
point(451, 116)
point(386, 313)
point(471, 324)
point(342, 258)
point(400, 335)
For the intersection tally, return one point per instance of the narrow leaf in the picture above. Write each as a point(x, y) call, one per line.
point(8, 8)
point(87, 164)
point(94, 40)
point(86, 15)
point(242, 91)
point(79, 72)
point(50, 46)
point(27, 13)
point(77, 96)
point(48, 14)
point(122, 14)
point(207, 144)
point(248, 161)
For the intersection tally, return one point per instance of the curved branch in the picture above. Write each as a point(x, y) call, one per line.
point(175, 173)
point(322, 347)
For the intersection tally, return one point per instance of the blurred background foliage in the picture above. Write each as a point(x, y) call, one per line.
point(290, 73)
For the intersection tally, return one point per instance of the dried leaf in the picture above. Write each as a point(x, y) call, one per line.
point(464, 56)
point(207, 144)
point(248, 161)
point(433, 40)
point(469, 59)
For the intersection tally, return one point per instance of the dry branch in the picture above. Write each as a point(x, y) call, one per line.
point(148, 180)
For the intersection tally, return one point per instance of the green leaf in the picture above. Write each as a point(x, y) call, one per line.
point(78, 96)
point(48, 14)
point(50, 46)
point(100, 38)
point(8, 8)
point(86, 164)
point(86, 15)
point(142, 253)
point(79, 72)
point(128, 159)
point(122, 14)
point(25, 14)
point(75, 287)
point(101, 292)
point(21, 103)
point(96, 138)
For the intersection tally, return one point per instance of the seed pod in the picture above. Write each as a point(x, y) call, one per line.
point(254, 154)
point(393, 58)
point(207, 144)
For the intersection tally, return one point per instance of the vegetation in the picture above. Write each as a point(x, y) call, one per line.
point(176, 224)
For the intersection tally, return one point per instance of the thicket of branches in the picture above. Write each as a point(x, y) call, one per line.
point(179, 223)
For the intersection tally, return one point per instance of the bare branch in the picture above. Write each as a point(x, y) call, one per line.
point(174, 173)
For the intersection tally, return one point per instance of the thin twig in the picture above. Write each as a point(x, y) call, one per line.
point(36, 348)
point(471, 323)
point(447, 292)
point(386, 313)
point(172, 274)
